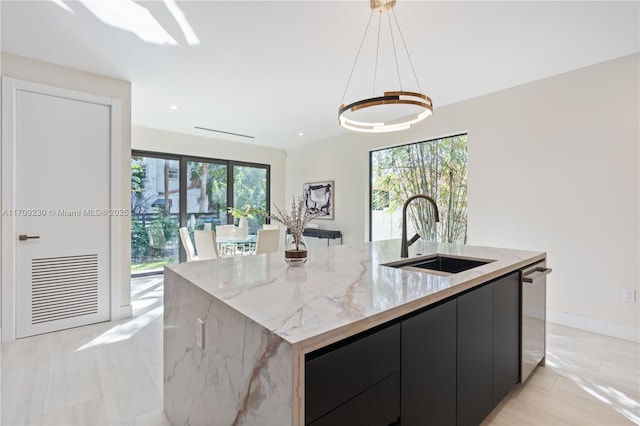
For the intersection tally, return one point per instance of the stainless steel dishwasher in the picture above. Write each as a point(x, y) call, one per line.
point(533, 318)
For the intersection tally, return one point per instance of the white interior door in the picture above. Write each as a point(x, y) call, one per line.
point(61, 194)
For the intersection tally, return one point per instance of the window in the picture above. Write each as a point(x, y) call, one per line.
point(379, 200)
point(170, 191)
point(142, 171)
point(437, 168)
point(249, 190)
point(206, 194)
point(173, 173)
point(155, 201)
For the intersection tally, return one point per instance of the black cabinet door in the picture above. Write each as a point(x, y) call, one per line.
point(428, 359)
point(475, 355)
point(377, 406)
point(506, 335)
point(334, 377)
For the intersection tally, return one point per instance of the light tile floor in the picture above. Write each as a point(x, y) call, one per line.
point(111, 374)
point(589, 379)
point(102, 374)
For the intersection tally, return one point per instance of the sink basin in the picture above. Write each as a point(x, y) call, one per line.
point(439, 264)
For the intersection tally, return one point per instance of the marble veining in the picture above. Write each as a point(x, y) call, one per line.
point(262, 317)
point(242, 375)
point(588, 378)
point(341, 290)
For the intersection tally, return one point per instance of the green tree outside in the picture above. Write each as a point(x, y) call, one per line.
point(437, 168)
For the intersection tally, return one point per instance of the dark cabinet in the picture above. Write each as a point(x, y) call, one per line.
point(428, 370)
point(340, 373)
point(449, 364)
point(378, 405)
point(488, 347)
point(506, 335)
point(475, 355)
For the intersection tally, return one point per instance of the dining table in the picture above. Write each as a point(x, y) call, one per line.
point(242, 244)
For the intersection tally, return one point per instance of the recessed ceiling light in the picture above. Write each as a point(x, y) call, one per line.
point(174, 107)
point(300, 134)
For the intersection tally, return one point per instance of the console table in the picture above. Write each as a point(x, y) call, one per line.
point(322, 233)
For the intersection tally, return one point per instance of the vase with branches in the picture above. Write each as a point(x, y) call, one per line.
point(295, 221)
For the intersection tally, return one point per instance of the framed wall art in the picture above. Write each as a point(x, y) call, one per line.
point(319, 198)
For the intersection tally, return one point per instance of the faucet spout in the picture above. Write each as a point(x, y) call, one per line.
point(413, 240)
point(404, 249)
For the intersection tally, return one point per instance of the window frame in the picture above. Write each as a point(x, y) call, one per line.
point(183, 159)
point(371, 154)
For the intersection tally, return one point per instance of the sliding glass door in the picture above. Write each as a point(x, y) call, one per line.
point(155, 204)
point(170, 191)
point(206, 191)
point(250, 193)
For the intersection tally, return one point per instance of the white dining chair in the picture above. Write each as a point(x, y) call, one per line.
point(187, 244)
point(226, 231)
point(266, 226)
point(267, 241)
point(206, 246)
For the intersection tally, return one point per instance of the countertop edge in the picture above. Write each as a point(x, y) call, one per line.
point(343, 332)
point(220, 281)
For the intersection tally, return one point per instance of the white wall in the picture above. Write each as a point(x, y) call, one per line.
point(53, 75)
point(553, 166)
point(179, 143)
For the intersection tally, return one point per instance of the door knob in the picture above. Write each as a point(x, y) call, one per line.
point(28, 237)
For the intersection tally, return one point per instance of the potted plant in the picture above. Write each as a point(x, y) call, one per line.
point(295, 221)
point(244, 213)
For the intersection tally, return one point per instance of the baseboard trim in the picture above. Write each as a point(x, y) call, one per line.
point(126, 312)
point(595, 326)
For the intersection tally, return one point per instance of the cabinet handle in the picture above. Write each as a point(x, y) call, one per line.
point(535, 274)
point(28, 237)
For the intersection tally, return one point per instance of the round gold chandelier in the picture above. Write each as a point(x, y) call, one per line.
point(401, 109)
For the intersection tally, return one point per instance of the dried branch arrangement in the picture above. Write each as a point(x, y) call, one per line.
point(296, 220)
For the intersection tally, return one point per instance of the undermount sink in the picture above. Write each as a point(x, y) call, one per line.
point(439, 264)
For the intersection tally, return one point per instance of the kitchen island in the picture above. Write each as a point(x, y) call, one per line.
point(240, 333)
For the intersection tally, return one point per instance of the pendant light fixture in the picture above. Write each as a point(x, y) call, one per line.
point(395, 109)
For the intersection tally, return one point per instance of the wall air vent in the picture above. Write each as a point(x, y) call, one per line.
point(63, 287)
point(226, 133)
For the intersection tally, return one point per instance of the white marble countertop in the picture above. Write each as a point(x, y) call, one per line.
point(341, 290)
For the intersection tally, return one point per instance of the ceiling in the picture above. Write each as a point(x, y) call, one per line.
point(272, 70)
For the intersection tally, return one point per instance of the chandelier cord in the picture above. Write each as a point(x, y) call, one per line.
point(375, 68)
point(395, 54)
point(348, 115)
point(406, 50)
point(357, 56)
